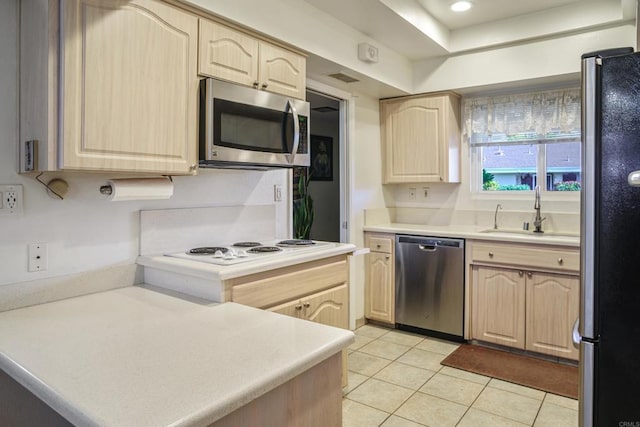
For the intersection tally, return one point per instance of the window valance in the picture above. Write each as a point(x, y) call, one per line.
point(525, 118)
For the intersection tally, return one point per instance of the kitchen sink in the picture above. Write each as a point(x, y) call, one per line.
point(529, 233)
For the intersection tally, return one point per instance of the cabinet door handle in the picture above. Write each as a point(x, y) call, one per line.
point(264, 85)
point(299, 307)
point(560, 261)
point(378, 246)
point(256, 84)
point(529, 274)
point(520, 273)
point(387, 257)
point(490, 254)
point(307, 305)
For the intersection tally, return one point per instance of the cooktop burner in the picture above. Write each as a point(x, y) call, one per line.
point(247, 244)
point(296, 242)
point(207, 250)
point(261, 249)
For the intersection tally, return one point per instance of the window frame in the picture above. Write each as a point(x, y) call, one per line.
point(475, 171)
point(475, 149)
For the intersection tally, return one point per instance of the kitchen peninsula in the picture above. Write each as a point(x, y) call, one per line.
point(141, 356)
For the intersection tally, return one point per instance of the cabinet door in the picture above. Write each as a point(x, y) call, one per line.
point(421, 139)
point(499, 306)
point(552, 308)
point(292, 308)
point(330, 307)
point(282, 71)
point(227, 54)
point(130, 86)
point(380, 289)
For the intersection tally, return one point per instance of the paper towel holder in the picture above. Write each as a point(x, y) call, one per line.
point(107, 190)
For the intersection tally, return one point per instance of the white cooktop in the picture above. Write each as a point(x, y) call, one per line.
point(236, 253)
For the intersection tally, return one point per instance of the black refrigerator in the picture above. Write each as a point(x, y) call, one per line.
point(608, 330)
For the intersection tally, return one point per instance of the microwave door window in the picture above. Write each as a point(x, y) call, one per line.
point(248, 127)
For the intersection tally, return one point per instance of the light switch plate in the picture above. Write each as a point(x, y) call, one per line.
point(277, 193)
point(10, 199)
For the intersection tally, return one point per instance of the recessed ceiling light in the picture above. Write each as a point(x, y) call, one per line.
point(461, 6)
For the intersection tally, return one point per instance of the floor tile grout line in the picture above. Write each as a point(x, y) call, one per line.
point(504, 416)
point(484, 386)
point(539, 409)
point(439, 370)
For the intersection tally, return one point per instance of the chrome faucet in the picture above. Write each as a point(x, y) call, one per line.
point(495, 217)
point(537, 222)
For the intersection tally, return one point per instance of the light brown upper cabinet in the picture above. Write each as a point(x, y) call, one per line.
point(230, 54)
point(421, 138)
point(127, 92)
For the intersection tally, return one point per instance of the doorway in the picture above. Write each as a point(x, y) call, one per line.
point(325, 177)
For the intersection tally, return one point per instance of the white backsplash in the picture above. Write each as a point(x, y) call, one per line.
point(173, 230)
point(507, 219)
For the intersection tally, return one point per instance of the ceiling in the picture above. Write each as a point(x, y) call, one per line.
point(423, 29)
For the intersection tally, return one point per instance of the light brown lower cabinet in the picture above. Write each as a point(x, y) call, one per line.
point(327, 307)
point(380, 297)
point(317, 291)
point(313, 399)
point(553, 305)
point(499, 306)
point(528, 310)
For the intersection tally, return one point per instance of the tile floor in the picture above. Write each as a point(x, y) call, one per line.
point(395, 379)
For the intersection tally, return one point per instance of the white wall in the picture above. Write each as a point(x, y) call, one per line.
point(85, 232)
point(366, 190)
point(525, 62)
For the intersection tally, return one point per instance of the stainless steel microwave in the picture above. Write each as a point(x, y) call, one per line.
point(244, 127)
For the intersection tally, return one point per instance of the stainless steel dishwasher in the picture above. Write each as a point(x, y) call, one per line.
point(430, 285)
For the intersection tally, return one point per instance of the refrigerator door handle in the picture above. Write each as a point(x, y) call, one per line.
point(575, 334)
point(634, 179)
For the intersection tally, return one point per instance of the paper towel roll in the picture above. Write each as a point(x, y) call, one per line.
point(140, 189)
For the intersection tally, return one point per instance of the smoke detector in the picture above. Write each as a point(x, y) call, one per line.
point(367, 53)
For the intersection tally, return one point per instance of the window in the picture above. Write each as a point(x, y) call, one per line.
point(519, 141)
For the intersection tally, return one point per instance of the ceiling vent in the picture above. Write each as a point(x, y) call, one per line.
point(343, 77)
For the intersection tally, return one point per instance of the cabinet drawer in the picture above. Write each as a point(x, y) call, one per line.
point(277, 286)
point(380, 244)
point(526, 256)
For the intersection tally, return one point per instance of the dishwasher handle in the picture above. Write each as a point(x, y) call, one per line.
point(430, 244)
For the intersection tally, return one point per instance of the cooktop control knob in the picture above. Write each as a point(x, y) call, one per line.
point(242, 254)
point(217, 254)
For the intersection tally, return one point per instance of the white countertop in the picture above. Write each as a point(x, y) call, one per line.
point(134, 356)
point(477, 233)
point(225, 272)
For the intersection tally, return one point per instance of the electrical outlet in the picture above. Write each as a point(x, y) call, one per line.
point(412, 193)
point(38, 257)
point(10, 199)
point(425, 191)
